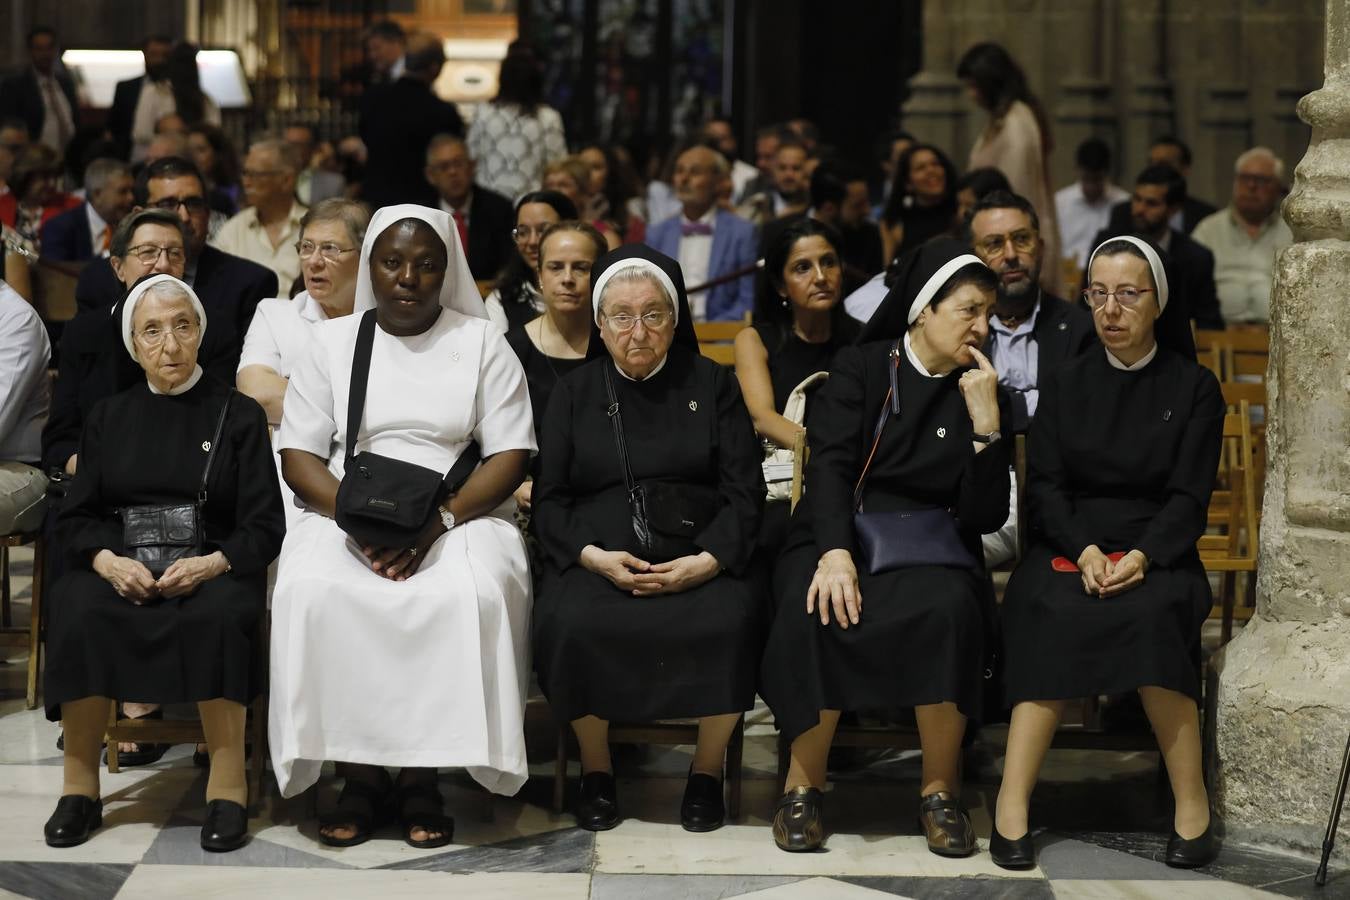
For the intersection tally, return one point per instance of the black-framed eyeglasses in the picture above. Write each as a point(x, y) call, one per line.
point(149, 253)
point(1023, 241)
point(171, 204)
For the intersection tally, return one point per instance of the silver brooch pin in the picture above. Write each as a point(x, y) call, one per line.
point(206, 446)
point(454, 357)
point(693, 406)
point(1063, 326)
point(942, 432)
point(1167, 416)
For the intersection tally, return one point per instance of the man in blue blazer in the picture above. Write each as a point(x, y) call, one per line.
point(85, 232)
point(709, 242)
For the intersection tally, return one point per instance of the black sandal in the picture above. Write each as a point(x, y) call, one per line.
point(144, 754)
point(362, 806)
point(420, 805)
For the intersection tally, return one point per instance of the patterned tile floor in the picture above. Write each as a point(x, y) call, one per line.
point(1101, 818)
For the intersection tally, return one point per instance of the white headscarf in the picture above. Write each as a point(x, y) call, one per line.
point(936, 282)
point(129, 306)
point(1155, 263)
point(458, 291)
point(635, 262)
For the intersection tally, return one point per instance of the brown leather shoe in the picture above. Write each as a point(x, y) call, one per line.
point(946, 825)
point(797, 823)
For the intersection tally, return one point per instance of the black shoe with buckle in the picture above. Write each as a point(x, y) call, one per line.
point(702, 808)
point(598, 804)
point(1183, 853)
point(75, 817)
point(946, 825)
point(1009, 854)
point(798, 826)
point(226, 826)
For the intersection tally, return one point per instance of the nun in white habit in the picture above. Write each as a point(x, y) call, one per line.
point(411, 658)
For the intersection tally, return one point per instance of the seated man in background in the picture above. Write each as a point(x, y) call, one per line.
point(483, 217)
point(24, 395)
point(719, 131)
point(708, 242)
point(267, 230)
point(1171, 152)
point(1084, 207)
point(86, 231)
point(313, 184)
point(839, 198)
point(1246, 237)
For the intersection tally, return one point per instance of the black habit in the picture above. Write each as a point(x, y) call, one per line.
point(1123, 460)
point(542, 372)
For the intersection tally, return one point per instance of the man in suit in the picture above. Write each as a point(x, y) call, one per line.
point(127, 94)
point(1168, 151)
point(1158, 194)
point(484, 218)
point(708, 242)
point(399, 120)
point(313, 184)
point(229, 287)
point(839, 198)
point(1031, 332)
point(86, 231)
point(43, 94)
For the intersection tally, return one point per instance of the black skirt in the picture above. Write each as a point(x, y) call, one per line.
point(1060, 643)
point(920, 640)
point(599, 651)
point(200, 647)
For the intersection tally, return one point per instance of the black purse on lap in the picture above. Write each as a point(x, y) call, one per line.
point(382, 501)
point(157, 534)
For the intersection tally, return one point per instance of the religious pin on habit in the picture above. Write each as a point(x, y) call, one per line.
point(1063, 326)
point(942, 432)
point(206, 446)
point(454, 357)
point(693, 406)
point(1167, 416)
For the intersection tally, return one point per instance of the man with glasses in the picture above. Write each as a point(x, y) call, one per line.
point(267, 229)
point(484, 218)
point(1030, 332)
point(1246, 237)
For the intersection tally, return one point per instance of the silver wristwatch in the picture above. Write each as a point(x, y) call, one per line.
point(986, 438)
point(447, 517)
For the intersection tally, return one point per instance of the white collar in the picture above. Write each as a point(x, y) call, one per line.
point(914, 360)
point(96, 222)
point(183, 388)
point(1148, 358)
point(659, 366)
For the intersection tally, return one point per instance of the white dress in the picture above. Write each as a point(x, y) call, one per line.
point(431, 671)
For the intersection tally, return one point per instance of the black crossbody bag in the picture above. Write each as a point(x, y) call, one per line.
point(666, 516)
point(155, 535)
point(902, 538)
point(382, 501)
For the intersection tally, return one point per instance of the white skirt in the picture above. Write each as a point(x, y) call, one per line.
point(428, 672)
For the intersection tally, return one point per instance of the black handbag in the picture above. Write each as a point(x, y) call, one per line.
point(910, 537)
point(666, 515)
point(157, 534)
point(382, 501)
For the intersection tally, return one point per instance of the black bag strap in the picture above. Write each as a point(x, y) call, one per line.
point(616, 421)
point(215, 442)
point(356, 404)
point(890, 406)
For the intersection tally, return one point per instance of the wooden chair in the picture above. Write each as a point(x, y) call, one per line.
point(716, 339)
point(670, 733)
point(1234, 548)
point(189, 731)
point(1242, 351)
point(31, 636)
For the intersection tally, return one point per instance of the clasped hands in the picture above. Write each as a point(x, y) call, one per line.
point(401, 564)
point(1105, 579)
point(132, 580)
point(643, 579)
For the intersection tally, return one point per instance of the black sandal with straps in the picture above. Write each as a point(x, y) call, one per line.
point(420, 805)
point(362, 806)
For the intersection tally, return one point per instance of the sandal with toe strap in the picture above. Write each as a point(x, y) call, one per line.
point(421, 806)
point(362, 806)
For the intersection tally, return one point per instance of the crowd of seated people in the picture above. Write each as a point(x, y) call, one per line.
point(453, 398)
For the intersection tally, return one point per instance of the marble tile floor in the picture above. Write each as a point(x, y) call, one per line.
point(1101, 819)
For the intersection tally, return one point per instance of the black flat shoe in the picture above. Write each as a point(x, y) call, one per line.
point(1006, 854)
point(75, 816)
point(702, 808)
point(598, 804)
point(798, 825)
point(226, 826)
point(946, 825)
point(1193, 853)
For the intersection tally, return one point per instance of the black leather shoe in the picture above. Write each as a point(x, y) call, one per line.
point(1193, 853)
point(946, 825)
point(798, 826)
point(598, 805)
point(75, 816)
point(702, 808)
point(226, 826)
point(1018, 854)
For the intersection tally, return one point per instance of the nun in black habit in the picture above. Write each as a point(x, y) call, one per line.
point(1111, 595)
point(621, 632)
point(847, 635)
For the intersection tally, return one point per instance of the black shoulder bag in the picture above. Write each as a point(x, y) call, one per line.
point(902, 538)
point(666, 516)
point(382, 501)
point(157, 534)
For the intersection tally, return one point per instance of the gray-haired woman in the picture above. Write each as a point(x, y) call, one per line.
point(186, 634)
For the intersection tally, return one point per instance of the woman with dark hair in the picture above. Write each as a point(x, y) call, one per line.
point(512, 137)
point(180, 92)
point(906, 430)
point(1016, 139)
point(614, 191)
point(799, 325)
point(516, 300)
point(1120, 467)
point(218, 162)
point(922, 204)
point(972, 187)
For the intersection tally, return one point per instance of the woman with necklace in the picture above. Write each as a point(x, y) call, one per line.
point(555, 343)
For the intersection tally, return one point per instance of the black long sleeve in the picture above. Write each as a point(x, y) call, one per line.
point(561, 531)
point(258, 519)
point(730, 536)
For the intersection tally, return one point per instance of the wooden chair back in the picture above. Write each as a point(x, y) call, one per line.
point(716, 339)
point(1232, 541)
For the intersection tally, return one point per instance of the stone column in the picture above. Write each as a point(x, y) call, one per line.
point(1147, 101)
point(1085, 108)
point(1283, 688)
point(937, 111)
